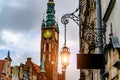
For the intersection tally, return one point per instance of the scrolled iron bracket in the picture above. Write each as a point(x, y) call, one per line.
point(72, 16)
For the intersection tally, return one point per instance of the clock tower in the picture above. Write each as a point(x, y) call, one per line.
point(50, 42)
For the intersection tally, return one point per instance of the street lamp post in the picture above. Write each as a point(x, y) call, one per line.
point(77, 20)
point(65, 57)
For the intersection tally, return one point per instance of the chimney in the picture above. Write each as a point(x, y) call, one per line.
point(28, 59)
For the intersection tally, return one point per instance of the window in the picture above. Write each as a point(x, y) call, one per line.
point(49, 47)
point(8, 66)
point(44, 48)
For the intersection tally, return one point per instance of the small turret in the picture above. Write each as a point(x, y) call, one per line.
point(43, 23)
point(42, 64)
point(43, 77)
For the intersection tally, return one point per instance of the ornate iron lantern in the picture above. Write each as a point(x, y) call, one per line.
point(65, 56)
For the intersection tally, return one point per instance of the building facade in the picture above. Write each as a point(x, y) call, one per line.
point(27, 71)
point(88, 35)
point(110, 9)
point(111, 37)
point(5, 68)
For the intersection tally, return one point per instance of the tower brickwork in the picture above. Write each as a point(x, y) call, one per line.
point(50, 42)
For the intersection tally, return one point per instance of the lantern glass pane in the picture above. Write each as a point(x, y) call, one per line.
point(65, 55)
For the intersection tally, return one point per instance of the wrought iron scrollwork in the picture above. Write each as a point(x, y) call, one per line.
point(91, 33)
point(72, 16)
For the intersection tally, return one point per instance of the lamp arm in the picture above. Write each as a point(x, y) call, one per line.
point(72, 16)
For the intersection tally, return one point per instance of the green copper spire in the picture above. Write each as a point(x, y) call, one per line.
point(50, 21)
point(42, 64)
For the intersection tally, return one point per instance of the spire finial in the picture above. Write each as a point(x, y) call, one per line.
point(8, 54)
point(50, 0)
point(43, 21)
point(43, 16)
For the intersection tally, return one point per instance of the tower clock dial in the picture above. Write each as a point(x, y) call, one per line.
point(47, 33)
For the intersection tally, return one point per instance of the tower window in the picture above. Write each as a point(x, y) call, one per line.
point(8, 66)
point(44, 48)
point(49, 47)
point(52, 45)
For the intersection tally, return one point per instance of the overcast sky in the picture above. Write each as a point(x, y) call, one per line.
point(20, 30)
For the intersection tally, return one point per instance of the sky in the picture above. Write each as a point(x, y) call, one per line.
point(20, 31)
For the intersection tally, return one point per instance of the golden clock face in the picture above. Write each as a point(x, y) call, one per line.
point(56, 35)
point(47, 33)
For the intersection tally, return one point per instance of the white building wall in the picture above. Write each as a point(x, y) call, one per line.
point(114, 18)
point(104, 5)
